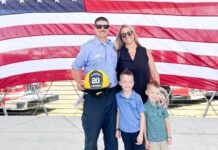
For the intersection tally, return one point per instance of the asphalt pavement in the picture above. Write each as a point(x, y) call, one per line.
point(66, 133)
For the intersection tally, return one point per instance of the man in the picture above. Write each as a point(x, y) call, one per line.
point(99, 111)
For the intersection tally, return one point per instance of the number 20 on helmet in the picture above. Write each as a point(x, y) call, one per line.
point(96, 80)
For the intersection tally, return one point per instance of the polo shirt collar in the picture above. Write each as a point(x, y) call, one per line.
point(131, 96)
point(152, 104)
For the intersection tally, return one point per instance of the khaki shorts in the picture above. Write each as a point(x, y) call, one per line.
point(159, 145)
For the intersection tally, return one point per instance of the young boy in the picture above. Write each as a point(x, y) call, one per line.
point(130, 114)
point(157, 130)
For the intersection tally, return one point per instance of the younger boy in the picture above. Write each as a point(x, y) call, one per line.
point(157, 130)
point(130, 114)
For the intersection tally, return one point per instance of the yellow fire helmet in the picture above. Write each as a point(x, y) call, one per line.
point(96, 80)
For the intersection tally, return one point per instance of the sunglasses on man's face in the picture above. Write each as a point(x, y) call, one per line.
point(124, 35)
point(98, 26)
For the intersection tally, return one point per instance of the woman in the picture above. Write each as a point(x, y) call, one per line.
point(136, 58)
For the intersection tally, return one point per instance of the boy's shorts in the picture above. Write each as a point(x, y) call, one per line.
point(159, 145)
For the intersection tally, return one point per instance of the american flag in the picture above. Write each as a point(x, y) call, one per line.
point(39, 39)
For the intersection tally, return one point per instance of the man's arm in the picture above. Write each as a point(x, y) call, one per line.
point(118, 119)
point(77, 77)
point(77, 66)
point(117, 134)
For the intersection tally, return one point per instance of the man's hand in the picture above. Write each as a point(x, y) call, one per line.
point(80, 86)
point(118, 134)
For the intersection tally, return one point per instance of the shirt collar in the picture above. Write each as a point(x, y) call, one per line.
point(152, 104)
point(131, 96)
point(98, 42)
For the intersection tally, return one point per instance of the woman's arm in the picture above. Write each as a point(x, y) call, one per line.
point(153, 71)
point(77, 77)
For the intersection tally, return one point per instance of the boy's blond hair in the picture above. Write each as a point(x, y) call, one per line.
point(162, 100)
point(153, 83)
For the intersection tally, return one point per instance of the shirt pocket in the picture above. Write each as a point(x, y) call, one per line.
point(96, 60)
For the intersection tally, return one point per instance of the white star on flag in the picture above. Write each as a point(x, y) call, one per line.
point(21, 1)
point(57, 1)
point(39, 1)
point(3, 1)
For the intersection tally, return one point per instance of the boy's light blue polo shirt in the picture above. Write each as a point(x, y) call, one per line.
point(129, 111)
point(97, 55)
point(155, 122)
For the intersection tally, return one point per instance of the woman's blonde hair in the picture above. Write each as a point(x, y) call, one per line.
point(119, 41)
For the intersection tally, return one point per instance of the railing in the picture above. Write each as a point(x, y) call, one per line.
point(67, 105)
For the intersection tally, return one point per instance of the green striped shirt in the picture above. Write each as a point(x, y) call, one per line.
point(155, 122)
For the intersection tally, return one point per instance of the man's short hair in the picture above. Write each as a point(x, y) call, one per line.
point(153, 83)
point(101, 19)
point(126, 72)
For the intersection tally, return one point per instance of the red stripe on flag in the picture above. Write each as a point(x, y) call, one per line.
point(38, 53)
point(45, 29)
point(56, 75)
point(72, 51)
point(185, 58)
point(44, 76)
point(192, 35)
point(154, 8)
point(189, 82)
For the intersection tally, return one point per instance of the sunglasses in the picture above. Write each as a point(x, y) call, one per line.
point(124, 35)
point(98, 26)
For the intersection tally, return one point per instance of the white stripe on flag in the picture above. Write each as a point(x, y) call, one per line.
point(188, 22)
point(35, 66)
point(187, 70)
point(43, 41)
point(209, 49)
point(198, 48)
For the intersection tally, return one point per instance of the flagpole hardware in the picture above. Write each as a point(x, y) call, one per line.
point(40, 98)
point(209, 104)
point(2, 103)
